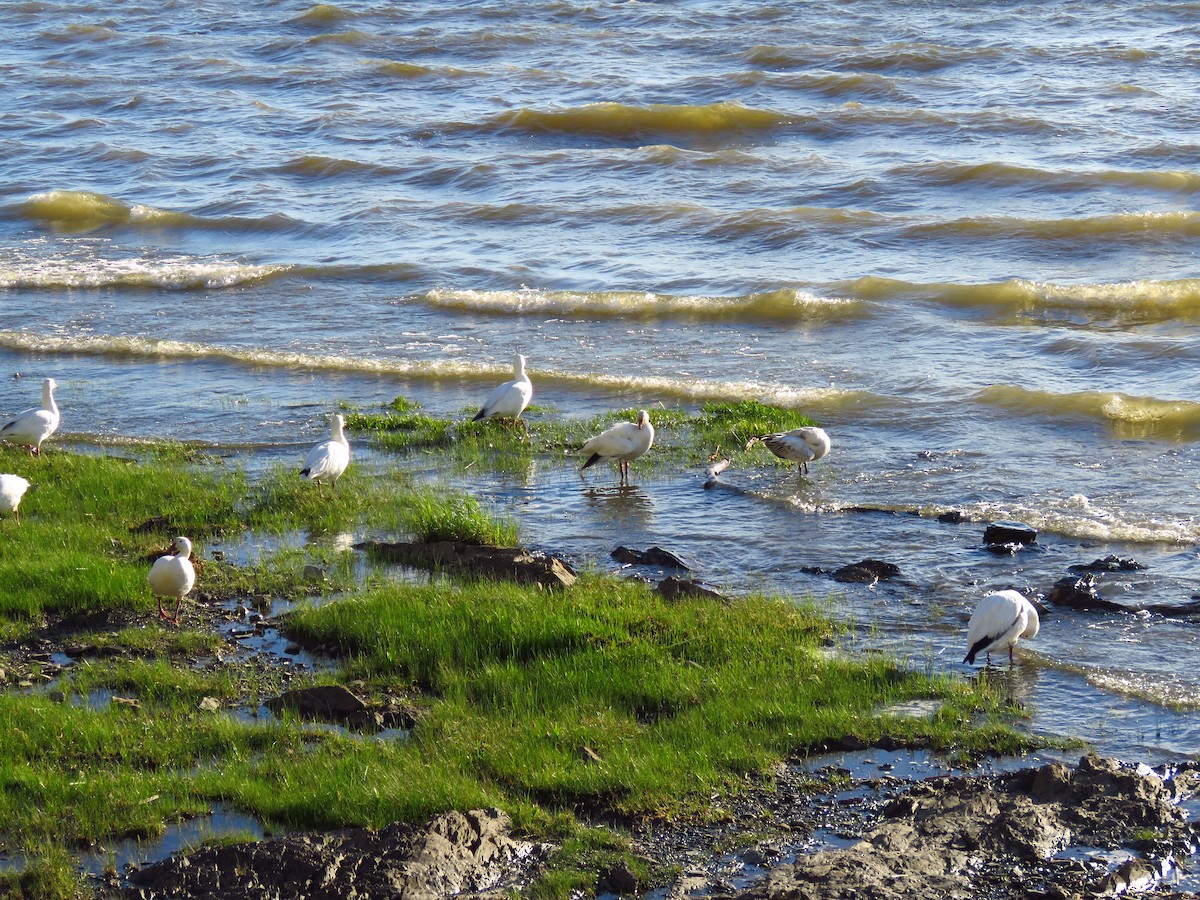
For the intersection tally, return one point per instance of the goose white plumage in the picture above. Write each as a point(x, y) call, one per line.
point(173, 576)
point(12, 489)
point(999, 621)
point(508, 400)
point(35, 424)
point(800, 445)
point(326, 462)
point(623, 442)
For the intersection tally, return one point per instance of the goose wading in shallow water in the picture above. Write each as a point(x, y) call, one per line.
point(999, 621)
point(173, 576)
point(508, 400)
point(35, 424)
point(623, 442)
point(327, 461)
point(12, 489)
point(800, 445)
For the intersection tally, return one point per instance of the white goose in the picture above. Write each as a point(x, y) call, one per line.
point(508, 400)
point(328, 460)
point(999, 621)
point(173, 576)
point(623, 442)
point(34, 425)
point(12, 489)
point(800, 445)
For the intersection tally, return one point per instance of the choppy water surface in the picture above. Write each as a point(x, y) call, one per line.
point(961, 236)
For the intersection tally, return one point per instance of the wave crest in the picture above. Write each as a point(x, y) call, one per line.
point(1127, 416)
point(783, 305)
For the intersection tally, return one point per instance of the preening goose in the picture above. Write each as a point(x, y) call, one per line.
point(173, 576)
point(999, 621)
point(623, 442)
point(800, 445)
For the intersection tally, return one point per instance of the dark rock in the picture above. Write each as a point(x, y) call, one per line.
point(327, 702)
point(455, 853)
point(1108, 564)
point(868, 571)
point(655, 556)
point(673, 587)
point(1008, 537)
point(1080, 593)
point(501, 563)
point(953, 517)
point(618, 879)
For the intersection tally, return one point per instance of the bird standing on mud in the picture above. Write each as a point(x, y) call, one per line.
point(173, 576)
point(623, 442)
point(35, 424)
point(328, 460)
point(800, 445)
point(508, 400)
point(999, 621)
point(12, 489)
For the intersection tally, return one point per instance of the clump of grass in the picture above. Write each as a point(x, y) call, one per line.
point(49, 873)
point(680, 435)
point(433, 515)
point(677, 699)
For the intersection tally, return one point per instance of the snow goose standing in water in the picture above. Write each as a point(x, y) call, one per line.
point(623, 442)
point(173, 576)
point(999, 621)
point(34, 425)
point(328, 460)
point(12, 489)
point(508, 400)
point(800, 445)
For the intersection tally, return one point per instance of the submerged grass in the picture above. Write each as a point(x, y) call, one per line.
point(681, 435)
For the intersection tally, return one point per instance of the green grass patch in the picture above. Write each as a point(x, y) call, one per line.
point(678, 699)
point(438, 515)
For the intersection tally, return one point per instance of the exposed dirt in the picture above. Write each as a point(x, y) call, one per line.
point(989, 836)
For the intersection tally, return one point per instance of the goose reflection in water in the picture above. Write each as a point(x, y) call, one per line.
point(620, 503)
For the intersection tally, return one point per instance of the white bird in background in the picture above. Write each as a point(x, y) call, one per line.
point(173, 576)
point(623, 442)
point(508, 400)
point(12, 489)
point(800, 445)
point(999, 621)
point(34, 425)
point(328, 460)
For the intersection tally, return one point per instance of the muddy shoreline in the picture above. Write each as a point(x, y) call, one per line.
point(1098, 827)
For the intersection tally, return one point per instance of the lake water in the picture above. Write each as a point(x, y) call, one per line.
point(961, 236)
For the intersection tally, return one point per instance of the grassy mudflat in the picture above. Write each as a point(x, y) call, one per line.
point(605, 698)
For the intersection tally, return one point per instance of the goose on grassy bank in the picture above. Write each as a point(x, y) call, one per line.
point(326, 462)
point(508, 400)
point(12, 489)
point(800, 445)
point(999, 621)
point(623, 442)
point(173, 576)
point(32, 426)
